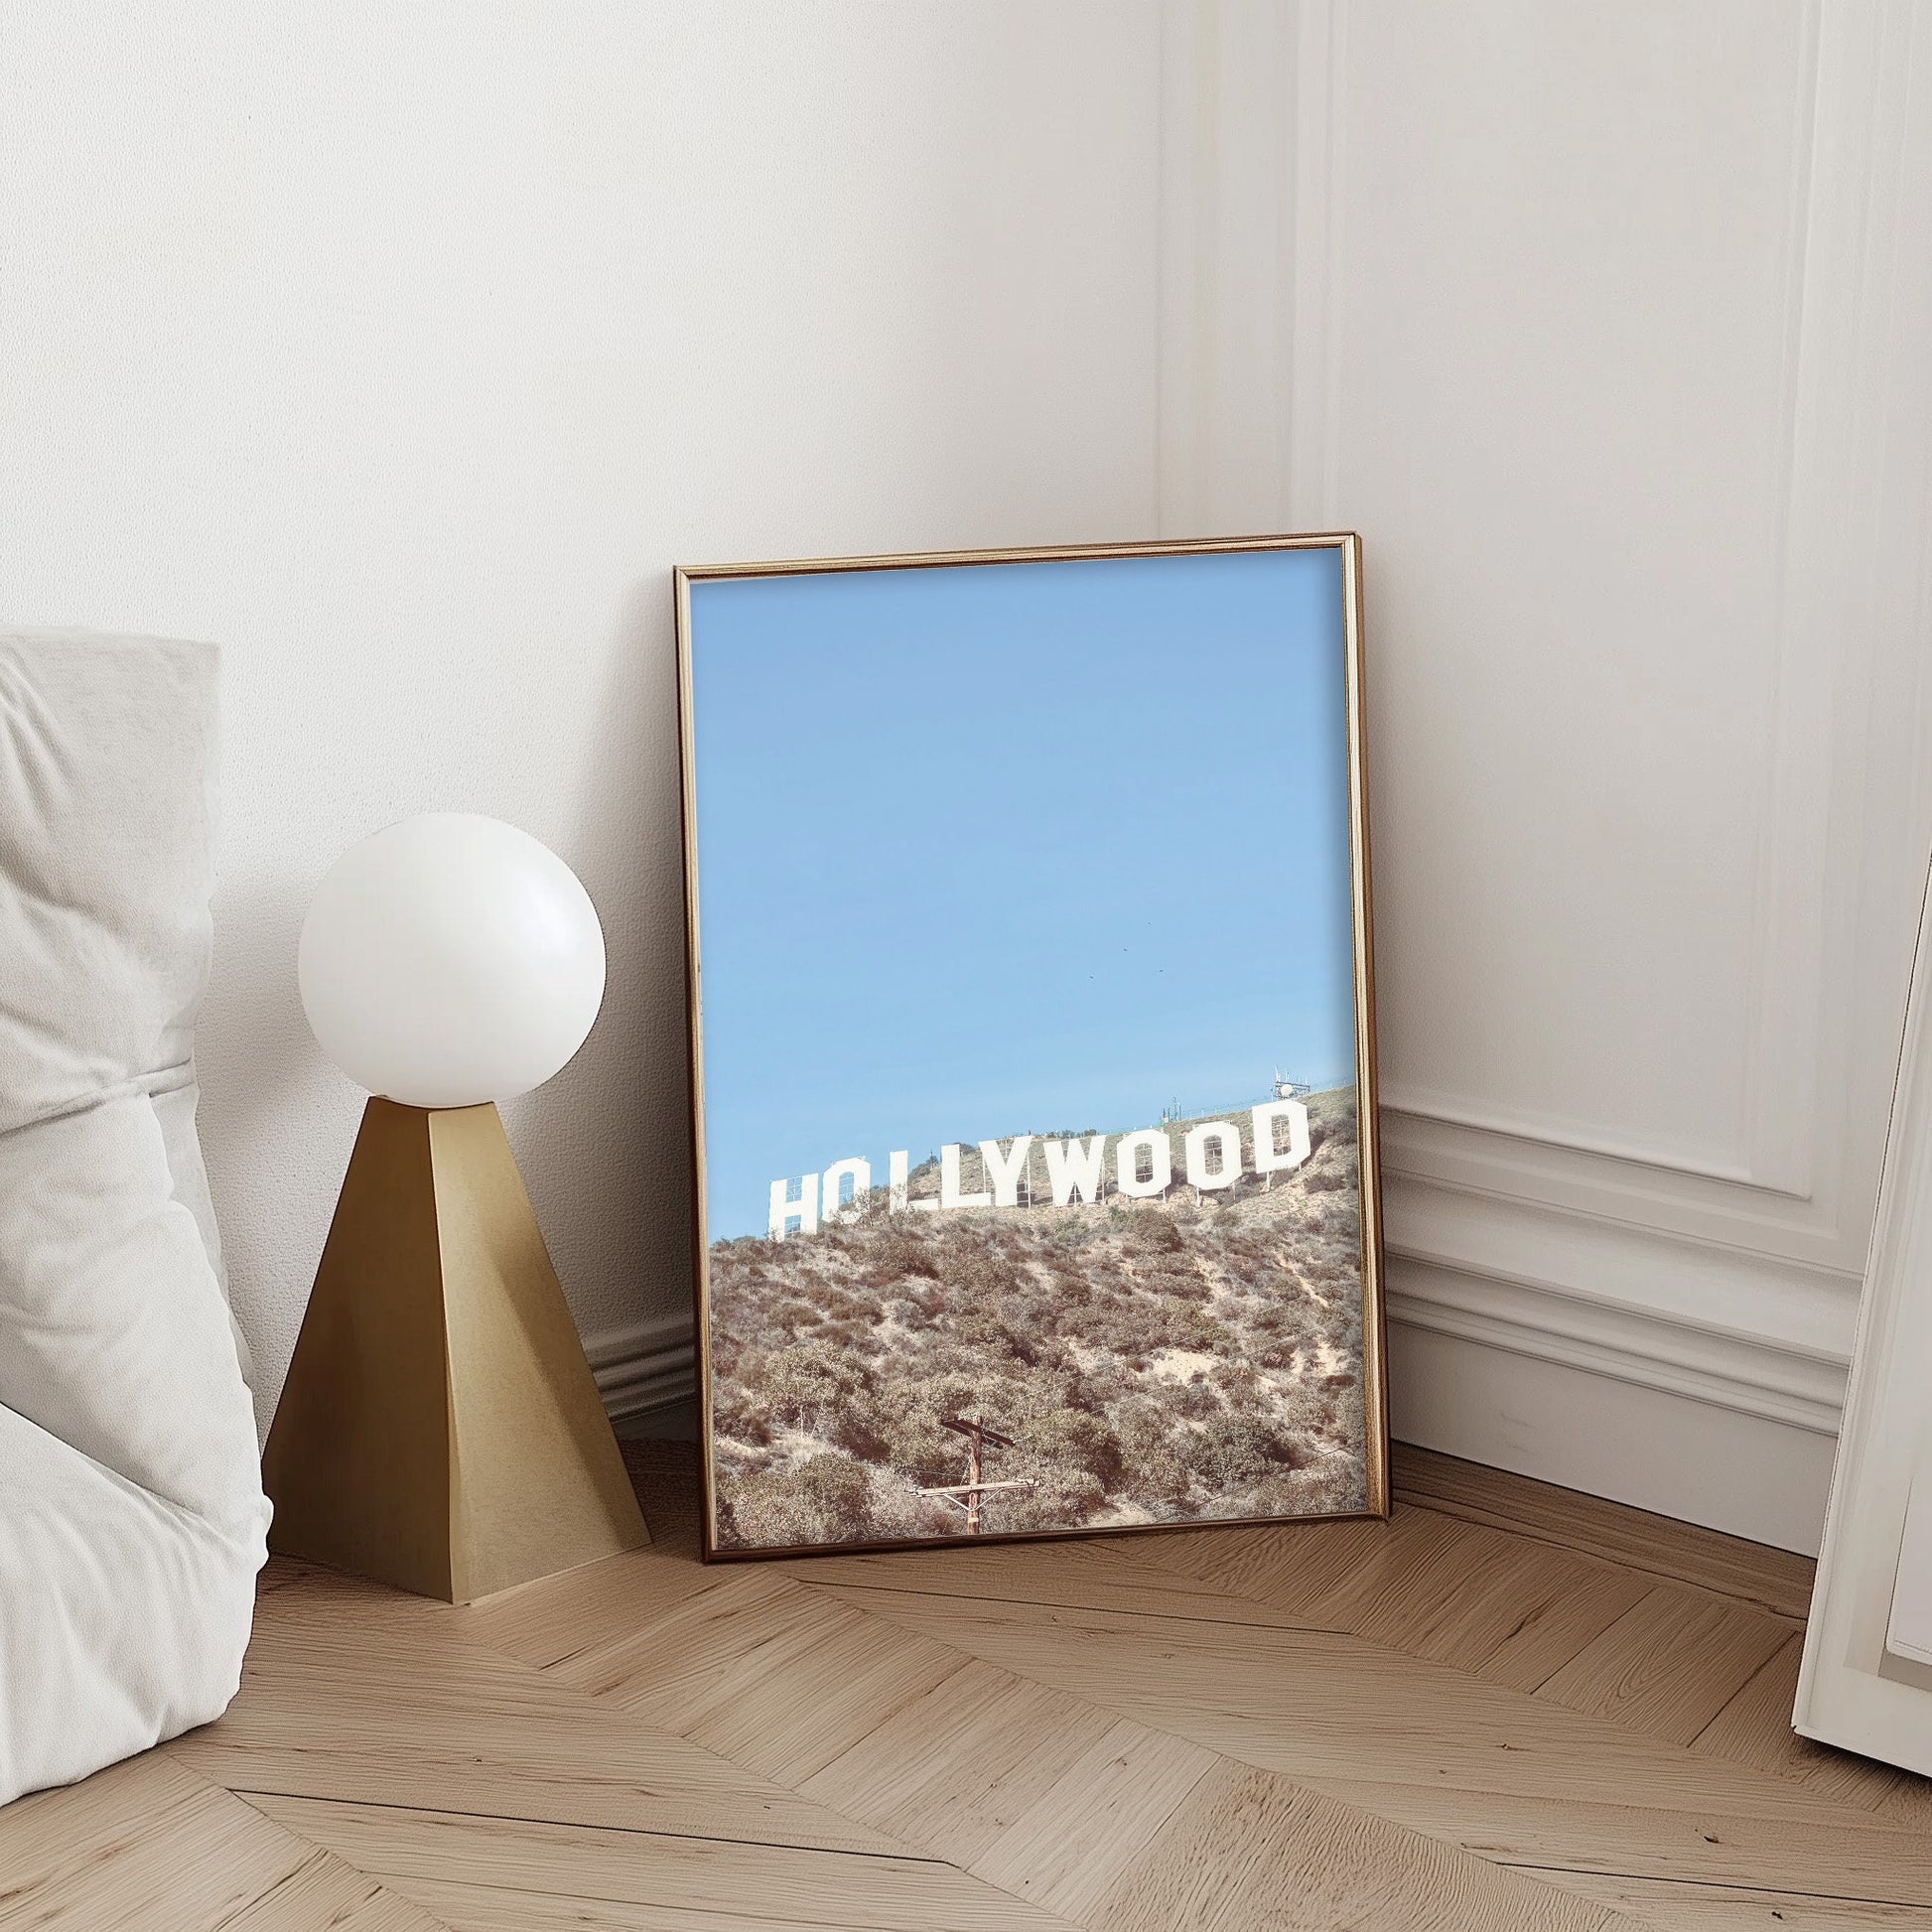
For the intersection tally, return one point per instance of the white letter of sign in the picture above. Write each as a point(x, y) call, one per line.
point(1267, 1158)
point(861, 1173)
point(900, 1198)
point(1226, 1138)
point(803, 1210)
point(1073, 1166)
point(949, 1194)
point(1006, 1173)
point(1127, 1164)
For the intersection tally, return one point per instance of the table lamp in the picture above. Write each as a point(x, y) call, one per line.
point(440, 1427)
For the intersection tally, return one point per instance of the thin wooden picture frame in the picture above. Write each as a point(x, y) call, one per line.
point(1373, 1499)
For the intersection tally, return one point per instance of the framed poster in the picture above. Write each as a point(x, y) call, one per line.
point(1031, 1044)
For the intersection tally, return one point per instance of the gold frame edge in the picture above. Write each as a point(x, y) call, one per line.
point(1375, 1401)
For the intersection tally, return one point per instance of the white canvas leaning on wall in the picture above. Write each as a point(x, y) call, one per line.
point(1866, 1680)
point(1909, 1632)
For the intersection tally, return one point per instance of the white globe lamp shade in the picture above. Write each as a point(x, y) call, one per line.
point(449, 960)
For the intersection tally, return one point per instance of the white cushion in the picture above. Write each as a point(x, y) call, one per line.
point(131, 1515)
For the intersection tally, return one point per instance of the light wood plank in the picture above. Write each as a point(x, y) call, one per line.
point(1558, 1621)
point(1091, 1827)
point(1254, 1850)
point(1013, 1781)
point(1119, 1574)
point(351, 1690)
point(1550, 1785)
point(1750, 1572)
point(323, 1892)
point(1292, 1567)
point(1728, 1908)
point(1323, 1704)
point(1754, 1727)
point(764, 1670)
point(101, 1852)
point(604, 1868)
point(1277, 1726)
point(1509, 1607)
point(1703, 1845)
point(1670, 1663)
point(1909, 1803)
point(544, 1622)
point(148, 1844)
point(1412, 1544)
point(957, 1768)
point(494, 1908)
point(679, 1667)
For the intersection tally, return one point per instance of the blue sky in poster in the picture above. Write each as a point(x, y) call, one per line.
point(1017, 848)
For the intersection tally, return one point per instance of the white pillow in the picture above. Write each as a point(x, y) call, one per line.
point(131, 1515)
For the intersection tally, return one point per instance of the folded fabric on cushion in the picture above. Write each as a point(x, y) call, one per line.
point(132, 1520)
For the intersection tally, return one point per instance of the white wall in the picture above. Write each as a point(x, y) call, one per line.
point(1608, 328)
point(402, 348)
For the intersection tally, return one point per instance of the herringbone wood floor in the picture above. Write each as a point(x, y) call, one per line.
point(1509, 1707)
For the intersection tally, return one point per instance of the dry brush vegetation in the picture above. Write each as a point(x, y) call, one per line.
point(1186, 1359)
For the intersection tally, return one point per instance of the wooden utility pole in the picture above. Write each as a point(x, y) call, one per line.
point(966, 1496)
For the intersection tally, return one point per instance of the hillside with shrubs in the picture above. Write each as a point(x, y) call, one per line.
point(1190, 1358)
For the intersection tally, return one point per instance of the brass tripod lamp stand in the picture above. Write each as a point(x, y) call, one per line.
point(440, 1427)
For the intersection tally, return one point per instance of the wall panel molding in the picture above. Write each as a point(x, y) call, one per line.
point(1621, 1309)
point(1227, 243)
point(1724, 1280)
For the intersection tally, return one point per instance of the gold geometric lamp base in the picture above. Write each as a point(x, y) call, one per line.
point(440, 1429)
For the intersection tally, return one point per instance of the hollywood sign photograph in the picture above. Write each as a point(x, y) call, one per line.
point(1033, 1171)
point(1148, 1344)
point(1078, 1169)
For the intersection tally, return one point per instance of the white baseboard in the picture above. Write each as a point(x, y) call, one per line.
point(645, 1366)
point(1683, 1375)
point(1610, 1436)
point(1680, 1375)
